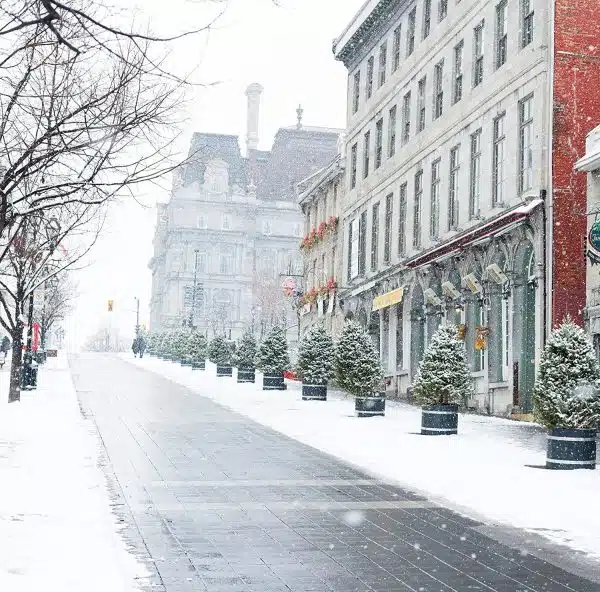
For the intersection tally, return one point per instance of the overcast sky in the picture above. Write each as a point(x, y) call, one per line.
point(286, 47)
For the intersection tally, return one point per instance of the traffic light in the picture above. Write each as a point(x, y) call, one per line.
point(110, 305)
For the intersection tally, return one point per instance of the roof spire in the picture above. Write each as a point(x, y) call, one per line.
point(299, 112)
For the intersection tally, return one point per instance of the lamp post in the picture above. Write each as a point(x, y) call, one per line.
point(137, 316)
point(192, 323)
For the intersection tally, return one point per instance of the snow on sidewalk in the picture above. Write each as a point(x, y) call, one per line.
point(492, 469)
point(57, 531)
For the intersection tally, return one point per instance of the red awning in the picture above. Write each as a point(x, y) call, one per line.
point(488, 229)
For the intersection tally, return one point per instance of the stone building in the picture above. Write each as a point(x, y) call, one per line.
point(461, 135)
point(590, 164)
point(232, 227)
point(320, 199)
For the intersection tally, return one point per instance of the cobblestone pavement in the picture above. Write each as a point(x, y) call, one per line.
point(213, 501)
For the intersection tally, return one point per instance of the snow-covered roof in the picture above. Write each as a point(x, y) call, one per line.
point(591, 161)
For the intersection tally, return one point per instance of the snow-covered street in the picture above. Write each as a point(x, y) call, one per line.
point(58, 532)
point(492, 469)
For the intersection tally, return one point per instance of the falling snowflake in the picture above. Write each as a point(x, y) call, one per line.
point(354, 518)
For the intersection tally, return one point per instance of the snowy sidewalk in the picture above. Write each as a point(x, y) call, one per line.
point(492, 469)
point(57, 529)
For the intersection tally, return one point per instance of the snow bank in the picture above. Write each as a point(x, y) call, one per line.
point(492, 469)
point(58, 532)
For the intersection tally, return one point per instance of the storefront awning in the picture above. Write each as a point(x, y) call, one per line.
point(388, 299)
point(488, 229)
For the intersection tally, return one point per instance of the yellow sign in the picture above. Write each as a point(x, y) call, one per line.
point(111, 305)
point(388, 299)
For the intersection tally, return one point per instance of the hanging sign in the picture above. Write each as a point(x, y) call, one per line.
point(594, 236)
point(481, 334)
point(388, 299)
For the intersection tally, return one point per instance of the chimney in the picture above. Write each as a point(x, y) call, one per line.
point(253, 93)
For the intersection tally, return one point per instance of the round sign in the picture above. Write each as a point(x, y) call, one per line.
point(594, 235)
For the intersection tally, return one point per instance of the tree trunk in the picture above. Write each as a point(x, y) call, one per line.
point(14, 391)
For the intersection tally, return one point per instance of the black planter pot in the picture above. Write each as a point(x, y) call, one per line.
point(570, 449)
point(185, 363)
point(201, 365)
point(224, 370)
point(370, 406)
point(314, 392)
point(246, 375)
point(439, 420)
point(274, 382)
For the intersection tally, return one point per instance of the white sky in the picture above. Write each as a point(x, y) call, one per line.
point(287, 49)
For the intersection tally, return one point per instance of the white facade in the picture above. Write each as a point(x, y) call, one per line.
point(447, 146)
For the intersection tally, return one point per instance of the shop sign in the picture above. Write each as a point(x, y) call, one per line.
point(388, 299)
point(594, 236)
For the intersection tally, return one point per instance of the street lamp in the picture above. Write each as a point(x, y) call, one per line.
point(137, 316)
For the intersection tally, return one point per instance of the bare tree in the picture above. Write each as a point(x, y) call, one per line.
point(39, 250)
point(59, 293)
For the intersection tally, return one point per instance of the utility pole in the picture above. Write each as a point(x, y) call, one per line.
point(137, 316)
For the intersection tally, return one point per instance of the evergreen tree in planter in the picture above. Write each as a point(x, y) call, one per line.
point(315, 363)
point(244, 356)
point(566, 398)
point(219, 353)
point(179, 347)
point(358, 370)
point(166, 344)
point(273, 359)
point(442, 381)
point(196, 347)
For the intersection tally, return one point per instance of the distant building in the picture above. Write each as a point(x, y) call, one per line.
point(321, 197)
point(461, 205)
point(233, 223)
point(590, 163)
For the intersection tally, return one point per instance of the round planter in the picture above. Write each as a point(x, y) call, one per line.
point(314, 392)
point(370, 406)
point(570, 449)
point(274, 382)
point(200, 365)
point(439, 420)
point(224, 370)
point(246, 375)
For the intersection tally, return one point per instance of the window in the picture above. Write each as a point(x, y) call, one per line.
point(438, 90)
point(421, 104)
point(353, 236)
point(442, 9)
point(392, 132)
point(266, 227)
point(406, 118)
point(453, 189)
point(362, 243)
point(335, 197)
point(526, 144)
point(457, 85)
point(479, 319)
point(410, 36)
point(353, 161)
point(417, 209)
point(296, 230)
point(475, 175)
point(375, 237)
point(434, 225)
point(478, 54)
point(378, 142)
point(370, 68)
point(366, 154)
point(396, 48)
point(426, 19)
point(356, 92)
point(382, 64)
point(226, 264)
point(385, 338)
point(387, 237)
point(402, 221)
point(201, 222)
point(201, 262)
point(226, 222)
point(498, 163)
point(501, 33)
point(527, 22)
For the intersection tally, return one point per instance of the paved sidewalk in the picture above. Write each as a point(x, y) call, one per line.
point(220, 502)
